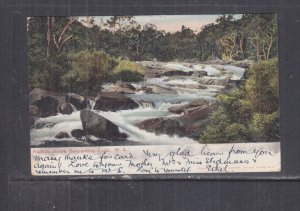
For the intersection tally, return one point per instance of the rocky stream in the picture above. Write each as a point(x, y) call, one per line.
point(171, 106)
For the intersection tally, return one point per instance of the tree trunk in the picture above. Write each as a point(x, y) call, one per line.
point(257, 49)
point(269, 48)
point(49, 36)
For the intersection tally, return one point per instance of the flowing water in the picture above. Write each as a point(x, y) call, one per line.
point(185, 88)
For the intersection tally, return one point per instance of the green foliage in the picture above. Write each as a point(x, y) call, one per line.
point(229, 121)
point(262, 86)
point(47, 75)
point(129, 76)
point(89, 69)
point(265, 126)
point(234, 106)
point(128, 71)
point(250, 113)
point(254, 36)
point(77, 51)
point(129, 66)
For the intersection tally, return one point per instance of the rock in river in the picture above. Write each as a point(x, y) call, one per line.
point(188, 106)
point(161, 126)
point(45, 101)
point(78, 101)
point(61, 135)
point(96, 125)
point(112, 101)
point(193, 116)
point(65, 108)
point(77, 133)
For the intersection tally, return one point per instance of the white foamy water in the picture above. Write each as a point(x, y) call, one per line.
point(137, 135)
point(124, 119)
point(180, 82)
point(62, 122)
point(186, 88)
point(236, 72)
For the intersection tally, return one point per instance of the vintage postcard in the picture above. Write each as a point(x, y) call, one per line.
point(163, 94)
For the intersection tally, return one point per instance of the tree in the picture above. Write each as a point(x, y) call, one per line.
point(88, 70)
point(58, 38)
point(262, 31)
point(229, 46)
point(120, 25)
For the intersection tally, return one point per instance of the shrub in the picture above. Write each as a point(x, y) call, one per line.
point(235, 107)
point(250, 113)
point(229, 121)
point(128, 66)
point(89, 69)
point(46, 75)
point(265, 127)
point(128, 71)
point(262, 86)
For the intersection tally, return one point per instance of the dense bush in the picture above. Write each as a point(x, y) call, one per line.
point(250, 113)
point(128, 65)
point(128, 71)
point(262, 87)
point(83, 72)
point(47, 75)
point(88, 70)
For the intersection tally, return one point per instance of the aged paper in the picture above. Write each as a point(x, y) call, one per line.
point(185, 159)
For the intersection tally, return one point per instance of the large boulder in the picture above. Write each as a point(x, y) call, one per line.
point(77, 133)
point(37, 94)
point(78, 101)
point(61, 135)
point(194, 130)
point(199, 114)
point(65, 108)
point(45, 101)
point(161, 126)
point(113, 101)
point(194, 105)
point(96, 125)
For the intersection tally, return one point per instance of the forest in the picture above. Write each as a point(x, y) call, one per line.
point(56, 43)
point(79, 55)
